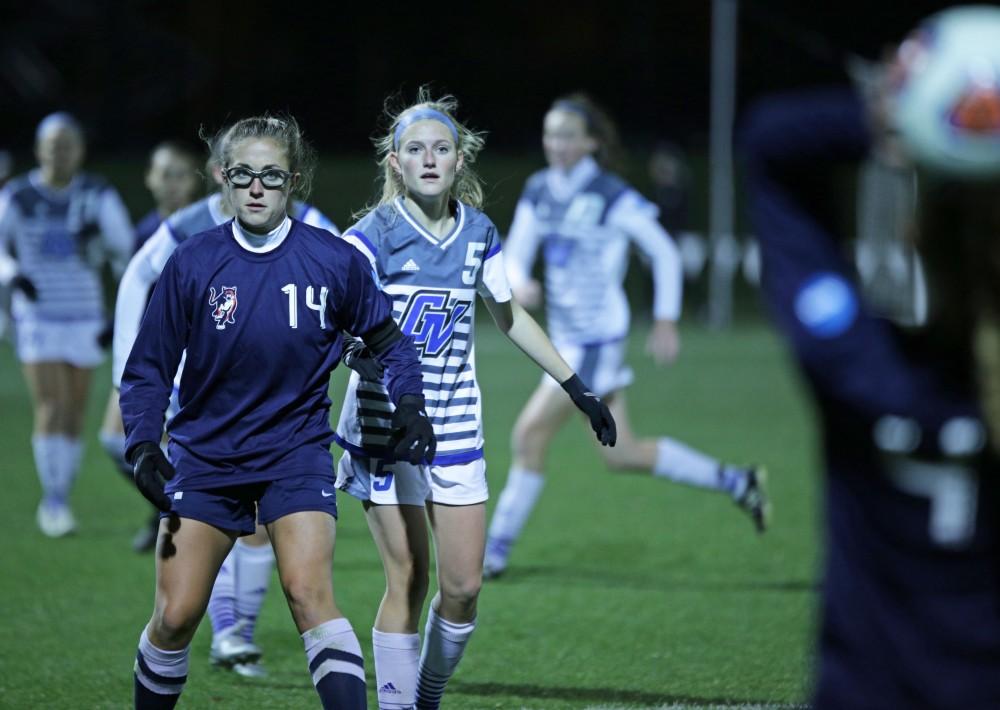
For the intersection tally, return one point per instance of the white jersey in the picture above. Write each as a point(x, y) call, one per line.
point(585, 221)
point(147, 264)
point(433, 283)
point(59, 239)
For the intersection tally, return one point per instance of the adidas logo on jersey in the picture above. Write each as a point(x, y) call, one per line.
point(410, 265)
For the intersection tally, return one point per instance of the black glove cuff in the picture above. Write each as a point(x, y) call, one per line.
point(574, 387)
point(143, 447)
point(413, 400)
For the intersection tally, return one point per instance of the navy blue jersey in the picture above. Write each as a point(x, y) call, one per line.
point(262, 332)
point(911, 595)
point(146, 226)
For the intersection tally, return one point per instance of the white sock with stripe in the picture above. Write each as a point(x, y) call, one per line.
point(336, 664)
point(444, 645)
point(397, 657)
point(253, 576)
point(517, 500)
point(159, 675)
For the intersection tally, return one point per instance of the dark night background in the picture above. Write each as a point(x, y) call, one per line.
point(139, 71)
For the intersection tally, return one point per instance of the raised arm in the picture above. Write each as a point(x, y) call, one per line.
point(849, 356)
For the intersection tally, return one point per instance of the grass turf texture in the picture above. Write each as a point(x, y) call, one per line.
point(625, 592)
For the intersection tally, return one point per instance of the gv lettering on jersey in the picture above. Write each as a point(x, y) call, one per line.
point(430, 319)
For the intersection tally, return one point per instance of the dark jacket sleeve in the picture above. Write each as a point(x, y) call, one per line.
point(848, 355)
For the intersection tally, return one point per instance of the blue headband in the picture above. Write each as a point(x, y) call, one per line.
point(422, 114)
point(59, 119)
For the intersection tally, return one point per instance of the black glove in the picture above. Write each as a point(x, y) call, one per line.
point(107, 335)
point(412, 437)
point(597, 411)
point(151, 469)
point(20, 281)
point(358, 357)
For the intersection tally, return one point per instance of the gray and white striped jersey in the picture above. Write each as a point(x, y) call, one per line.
point(585, 221)
point(433, 283)
point(59, 239)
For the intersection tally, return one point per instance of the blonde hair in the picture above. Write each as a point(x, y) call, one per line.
point(283, 130)
point(468, 186)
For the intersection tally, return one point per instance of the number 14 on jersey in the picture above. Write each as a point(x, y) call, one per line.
point(311, 303)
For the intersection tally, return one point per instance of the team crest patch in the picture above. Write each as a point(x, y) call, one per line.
point(225, 306)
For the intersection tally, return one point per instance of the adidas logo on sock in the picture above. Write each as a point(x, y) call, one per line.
point(410, 265)
point(389, 689)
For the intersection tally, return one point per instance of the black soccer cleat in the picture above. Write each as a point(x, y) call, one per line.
point(755, 500)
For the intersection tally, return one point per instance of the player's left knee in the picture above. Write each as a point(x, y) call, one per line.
point(306, 595)
point(462, 592)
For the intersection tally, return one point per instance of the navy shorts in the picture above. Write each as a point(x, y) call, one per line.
point(240, 507)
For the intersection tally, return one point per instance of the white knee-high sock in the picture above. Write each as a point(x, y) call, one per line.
point(683, 464)
point(69, 457)
point(222, 602)
point(517, 500)
point(444, 645)
point(159, 675)
point(336, 665)
point(397, 657)
point(45, 448)
point(253, 576)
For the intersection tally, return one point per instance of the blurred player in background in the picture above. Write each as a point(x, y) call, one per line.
point(433, 252)
point(250, 439)
point(246, 573)
point(173, 180)
point(57, 227)
point(910, 612)
point(585, 218)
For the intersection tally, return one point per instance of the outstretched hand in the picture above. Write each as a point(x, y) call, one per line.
point(151, 470)
point(412, 437)
point(597, 411)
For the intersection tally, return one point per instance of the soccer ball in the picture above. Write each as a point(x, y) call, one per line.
point(946, 103)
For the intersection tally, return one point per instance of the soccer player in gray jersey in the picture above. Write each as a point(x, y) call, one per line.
point(245, 576)
point(585, 218)
point(57, 226)
point(433, 251)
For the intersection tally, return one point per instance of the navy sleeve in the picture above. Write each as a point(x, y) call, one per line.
point(149, 372)
point(362, 307)
point(849, 356)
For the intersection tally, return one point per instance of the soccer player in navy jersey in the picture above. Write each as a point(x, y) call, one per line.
point(57, 226)
point(584, 218)
point(433, 251)
point(260, 306)
point(910, 609)
point(245, 576)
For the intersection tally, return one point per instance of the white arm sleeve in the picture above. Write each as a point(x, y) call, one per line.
point(133, 292)
point(116, 229)
point(521, 245)
point(9, 217)
point(636, 216)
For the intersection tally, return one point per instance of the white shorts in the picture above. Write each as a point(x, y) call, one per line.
point(400, 483)
point(74, 342)
point(601, 366)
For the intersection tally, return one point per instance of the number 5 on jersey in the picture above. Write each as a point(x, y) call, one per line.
point(311, 303)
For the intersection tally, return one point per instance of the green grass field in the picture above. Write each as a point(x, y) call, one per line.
point(626, 592)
